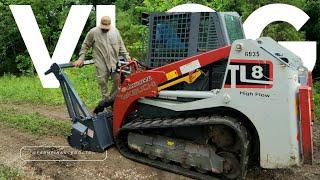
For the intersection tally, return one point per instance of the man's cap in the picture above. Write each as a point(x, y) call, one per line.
point(105, 23)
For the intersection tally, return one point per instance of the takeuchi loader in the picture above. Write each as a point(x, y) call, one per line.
point(207, 104)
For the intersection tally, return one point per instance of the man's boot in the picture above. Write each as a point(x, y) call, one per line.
point(102, 104)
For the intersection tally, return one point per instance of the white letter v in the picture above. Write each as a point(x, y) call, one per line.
point(35, 44)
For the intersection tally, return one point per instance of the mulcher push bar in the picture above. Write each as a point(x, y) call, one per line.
point(67, 65)
point(76, 108)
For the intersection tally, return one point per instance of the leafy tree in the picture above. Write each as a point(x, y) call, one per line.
point(312, 29)
point(51, 16)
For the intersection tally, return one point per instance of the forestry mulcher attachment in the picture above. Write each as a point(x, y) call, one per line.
point(209, 104)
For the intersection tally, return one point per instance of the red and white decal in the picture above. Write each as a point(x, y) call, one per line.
point(249, 74)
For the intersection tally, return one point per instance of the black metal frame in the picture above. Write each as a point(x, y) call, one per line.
point(76, 108)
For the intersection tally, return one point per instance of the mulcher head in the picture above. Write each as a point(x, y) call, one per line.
point(92, 134)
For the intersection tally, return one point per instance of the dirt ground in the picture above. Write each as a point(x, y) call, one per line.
point(115, 166)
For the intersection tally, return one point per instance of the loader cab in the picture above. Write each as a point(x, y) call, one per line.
point(175, 36)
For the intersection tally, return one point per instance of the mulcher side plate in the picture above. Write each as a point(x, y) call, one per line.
point(92, 134)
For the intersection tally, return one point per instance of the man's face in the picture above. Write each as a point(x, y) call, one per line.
point(105, 24)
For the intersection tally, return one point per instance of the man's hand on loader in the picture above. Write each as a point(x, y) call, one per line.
point(102, 104)
point(98, 109)
point(78, 63)
point(128, 58)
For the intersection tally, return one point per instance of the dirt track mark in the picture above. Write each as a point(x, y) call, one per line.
point(114, 167)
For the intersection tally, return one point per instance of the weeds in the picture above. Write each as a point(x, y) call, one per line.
point(28, 89)
point(8, 173)
point(34, 123)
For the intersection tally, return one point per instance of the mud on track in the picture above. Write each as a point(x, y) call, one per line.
point(115, 166)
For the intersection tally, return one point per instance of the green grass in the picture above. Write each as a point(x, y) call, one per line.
point(8, 173)
point(316, 96)
point(34, 123)
point(28, 89)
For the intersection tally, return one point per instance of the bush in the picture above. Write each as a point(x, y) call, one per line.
point(24, 65)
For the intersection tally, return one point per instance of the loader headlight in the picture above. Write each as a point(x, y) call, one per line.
point(302, 75)
point(239, 46)
point(301, 69)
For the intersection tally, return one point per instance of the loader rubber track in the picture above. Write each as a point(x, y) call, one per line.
point(143, 124)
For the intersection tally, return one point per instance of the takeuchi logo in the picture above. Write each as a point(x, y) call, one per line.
point(139, 83)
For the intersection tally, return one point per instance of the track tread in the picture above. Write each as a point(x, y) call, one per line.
point(142, 124)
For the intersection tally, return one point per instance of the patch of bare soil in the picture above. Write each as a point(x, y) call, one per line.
point(115, 166)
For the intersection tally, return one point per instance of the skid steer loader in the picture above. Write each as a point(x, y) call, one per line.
point(209, 104)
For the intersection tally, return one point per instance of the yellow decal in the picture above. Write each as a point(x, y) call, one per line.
point(171, 75)
point(188, 79)
point(170, 143)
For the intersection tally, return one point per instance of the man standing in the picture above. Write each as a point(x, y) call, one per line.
point(107, 45)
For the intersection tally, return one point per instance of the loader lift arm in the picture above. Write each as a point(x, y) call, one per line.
point(146, 83)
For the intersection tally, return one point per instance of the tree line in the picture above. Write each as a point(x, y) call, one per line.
point(51, 15)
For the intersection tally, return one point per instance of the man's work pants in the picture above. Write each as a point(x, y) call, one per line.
point(103, 75)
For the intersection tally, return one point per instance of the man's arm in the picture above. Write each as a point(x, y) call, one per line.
point(87, 43)
point(122, 48)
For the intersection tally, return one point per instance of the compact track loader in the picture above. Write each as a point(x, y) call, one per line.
point(208, 104)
